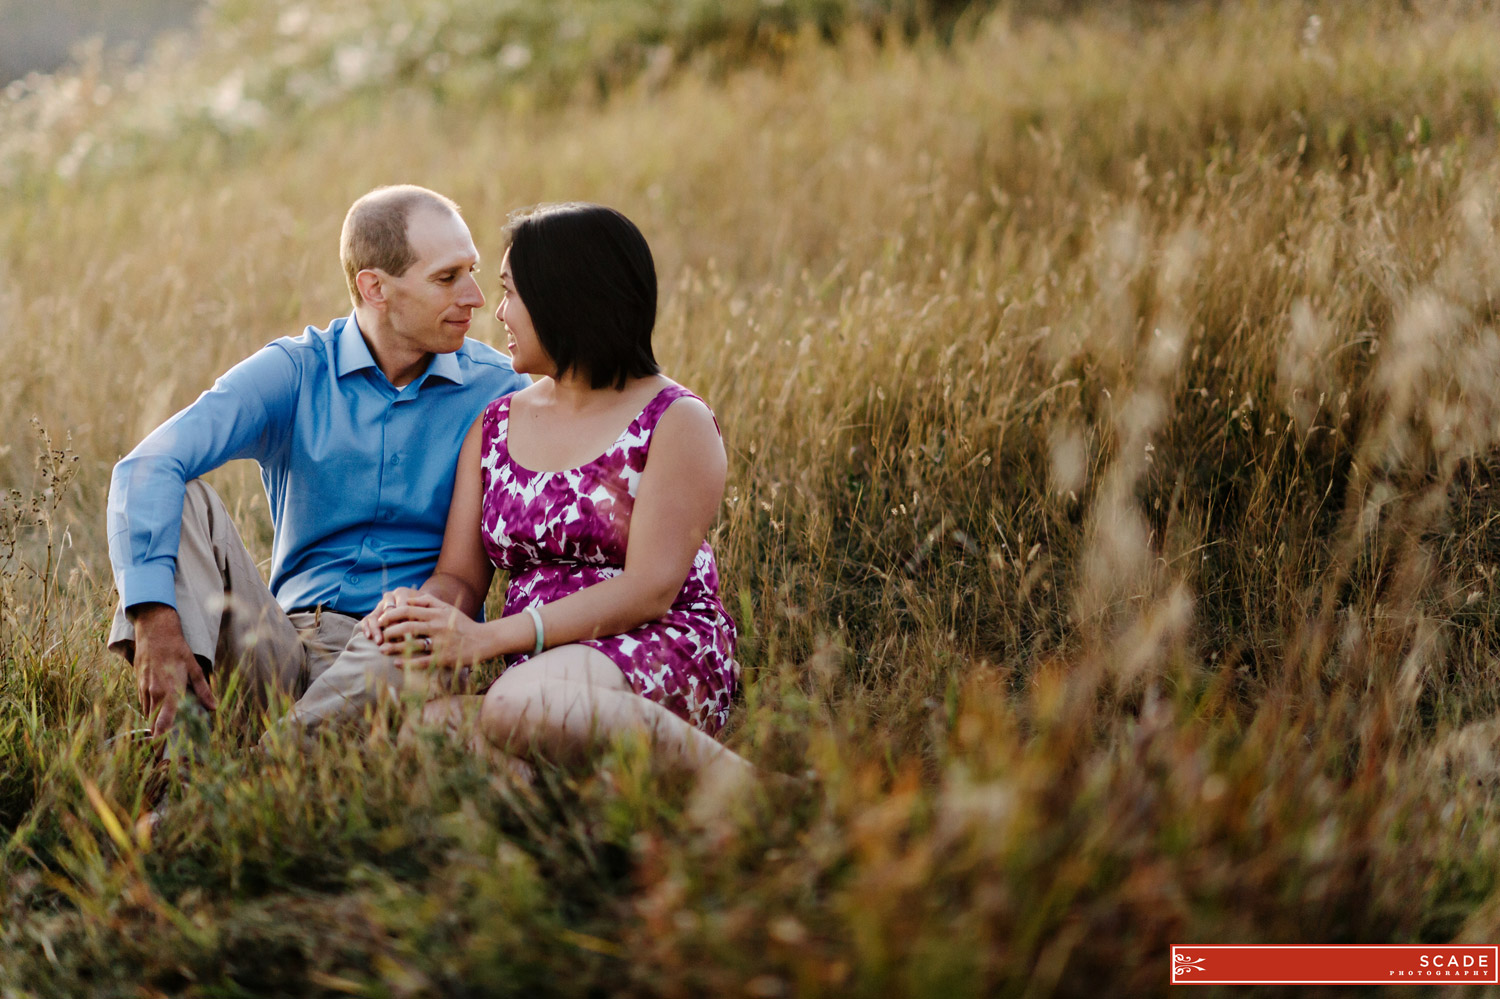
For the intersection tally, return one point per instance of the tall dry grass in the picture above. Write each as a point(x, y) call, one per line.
point(1111, 399)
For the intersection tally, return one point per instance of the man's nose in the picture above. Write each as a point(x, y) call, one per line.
point(471, 296)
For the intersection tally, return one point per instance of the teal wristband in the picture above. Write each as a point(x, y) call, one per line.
point(536, 619)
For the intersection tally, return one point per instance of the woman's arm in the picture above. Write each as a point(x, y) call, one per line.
point(678, 498)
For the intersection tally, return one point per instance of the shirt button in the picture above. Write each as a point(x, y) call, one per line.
point(353, 577)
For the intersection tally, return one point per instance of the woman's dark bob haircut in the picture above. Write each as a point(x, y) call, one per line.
point(587, 278)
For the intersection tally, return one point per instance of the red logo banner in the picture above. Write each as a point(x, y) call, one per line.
point(1333, 964)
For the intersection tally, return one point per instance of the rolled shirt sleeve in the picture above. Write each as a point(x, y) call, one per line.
point(245, 414)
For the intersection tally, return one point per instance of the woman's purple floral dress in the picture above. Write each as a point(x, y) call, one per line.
point(559, 532)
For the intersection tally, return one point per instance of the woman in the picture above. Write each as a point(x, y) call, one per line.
point(595, 488)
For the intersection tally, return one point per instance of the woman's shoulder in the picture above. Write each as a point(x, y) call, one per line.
point(681, 412)
point(652, 396)
point(663, 392)
point(684, 437)
point(500, 406)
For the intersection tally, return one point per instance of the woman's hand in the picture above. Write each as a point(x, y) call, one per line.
point(369, 625)
point(429, 633)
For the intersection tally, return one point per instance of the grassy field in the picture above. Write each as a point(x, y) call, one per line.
point(1111, 396)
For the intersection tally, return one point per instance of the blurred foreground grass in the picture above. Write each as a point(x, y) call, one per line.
point(1112, 400)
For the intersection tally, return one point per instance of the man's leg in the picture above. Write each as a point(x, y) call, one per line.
point(229, 618)
point(342, 686)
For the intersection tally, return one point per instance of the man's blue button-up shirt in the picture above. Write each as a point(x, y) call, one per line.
point(359, 473)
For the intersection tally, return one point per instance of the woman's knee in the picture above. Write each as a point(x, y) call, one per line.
point(524, 713)
point(510, 713)
point(451, 712)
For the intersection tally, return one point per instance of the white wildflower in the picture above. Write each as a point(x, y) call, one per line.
point(514, 56)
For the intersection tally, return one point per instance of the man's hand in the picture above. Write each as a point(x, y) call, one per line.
point(165, 666)
point(369, 625)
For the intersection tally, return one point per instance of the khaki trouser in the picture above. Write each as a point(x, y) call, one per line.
point(230, 619)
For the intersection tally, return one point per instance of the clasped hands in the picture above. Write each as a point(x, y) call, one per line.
point(424, 631)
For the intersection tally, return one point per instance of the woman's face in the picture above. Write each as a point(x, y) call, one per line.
point(526, 353)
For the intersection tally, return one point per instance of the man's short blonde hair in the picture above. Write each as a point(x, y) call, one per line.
point(374, 233)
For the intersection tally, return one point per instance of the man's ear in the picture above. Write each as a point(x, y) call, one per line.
point(370, 286)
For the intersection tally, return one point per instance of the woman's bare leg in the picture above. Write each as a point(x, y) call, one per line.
point(569, 700)
point(458, 716)
point(454, 714)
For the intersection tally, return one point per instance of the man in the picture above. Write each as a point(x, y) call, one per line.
point(357, 429)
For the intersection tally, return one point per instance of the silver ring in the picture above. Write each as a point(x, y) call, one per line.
point(427, 644)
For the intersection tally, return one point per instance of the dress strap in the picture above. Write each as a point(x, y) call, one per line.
point(496, 419)
point(651, 415)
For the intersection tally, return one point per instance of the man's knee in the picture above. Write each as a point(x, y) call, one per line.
point(202, 505)
point(358, 678)
point(365, 660)
point(203, 518)
point(199, 495)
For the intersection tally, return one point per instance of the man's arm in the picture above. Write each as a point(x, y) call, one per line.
point(244, 415)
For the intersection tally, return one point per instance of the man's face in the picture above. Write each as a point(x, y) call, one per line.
point(429, 306)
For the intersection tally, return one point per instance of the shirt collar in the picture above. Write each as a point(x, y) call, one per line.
point(445, 366)
point(353, 354)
